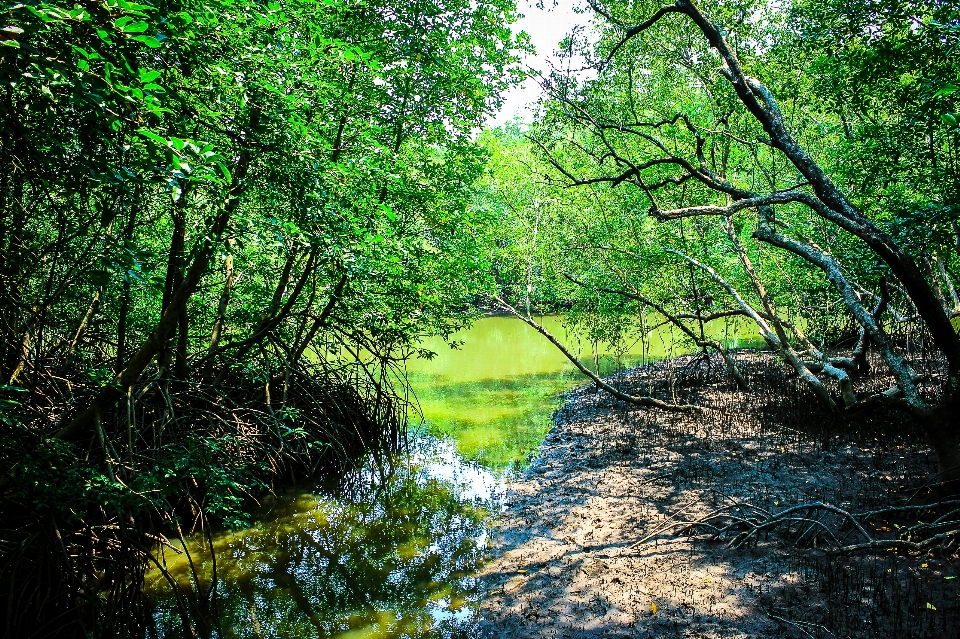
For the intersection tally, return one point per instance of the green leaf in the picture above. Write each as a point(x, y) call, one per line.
point(389, 211)
point(150, 135)
point(148, 76)
point(950, 89)
point(225, 171)
point(150, 41)
point(10, 43)
point(136, 27)
point(949, 119)
point(20, 389)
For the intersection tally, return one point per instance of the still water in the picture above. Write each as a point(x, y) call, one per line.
point(493, 397)
point(392, 553)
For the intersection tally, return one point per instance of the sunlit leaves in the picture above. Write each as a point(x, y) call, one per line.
point(335, 150)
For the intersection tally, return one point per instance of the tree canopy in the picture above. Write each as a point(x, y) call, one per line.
point(222, 227)
point(225, 225)
point(793, 165)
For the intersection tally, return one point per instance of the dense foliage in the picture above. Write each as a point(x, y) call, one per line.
point(224, 225)
point(221, 226)
point(794, 166)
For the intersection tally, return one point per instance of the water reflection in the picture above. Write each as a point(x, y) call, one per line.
point(495, 422)
point(394, 556)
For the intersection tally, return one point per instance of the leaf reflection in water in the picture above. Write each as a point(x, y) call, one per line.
point(390, 553)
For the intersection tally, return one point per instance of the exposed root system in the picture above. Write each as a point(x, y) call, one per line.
point(74, 548)
point(762, 516)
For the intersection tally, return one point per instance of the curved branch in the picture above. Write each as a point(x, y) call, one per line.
point(675, 320)
point(638, 400)
point(834, 205)
point(762, 105)
point(863, 341)
point(900, 368)
point(638, 29)
point(739, 205)
point(775, 337)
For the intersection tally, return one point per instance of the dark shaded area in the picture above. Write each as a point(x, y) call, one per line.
point(83, 522)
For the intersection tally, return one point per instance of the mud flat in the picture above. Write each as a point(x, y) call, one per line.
point(585, 547)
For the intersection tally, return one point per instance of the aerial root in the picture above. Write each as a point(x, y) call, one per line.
point(822, 525)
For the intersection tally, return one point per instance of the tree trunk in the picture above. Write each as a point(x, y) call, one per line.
point(125, 292)
point(224, 296)
point(174, 275)
point(159, 336)
point(10, 262)
point(942, 425)
point(732, 368)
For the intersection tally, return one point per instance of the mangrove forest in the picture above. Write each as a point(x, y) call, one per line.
point(452, 319)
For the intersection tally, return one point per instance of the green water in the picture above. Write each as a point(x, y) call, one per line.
point(494, 396)
point(392, 552)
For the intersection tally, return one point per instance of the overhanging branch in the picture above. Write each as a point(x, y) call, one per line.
point(638, 400)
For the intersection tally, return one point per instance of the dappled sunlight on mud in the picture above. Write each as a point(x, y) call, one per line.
point(585, 547)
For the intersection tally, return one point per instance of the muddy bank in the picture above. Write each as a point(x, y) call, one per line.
point(565, 556)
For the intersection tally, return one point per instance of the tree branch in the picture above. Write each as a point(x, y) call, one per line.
point(638, 29)
point(901, 370)
point(739, 205)
point(638, 400)
point(675, 320)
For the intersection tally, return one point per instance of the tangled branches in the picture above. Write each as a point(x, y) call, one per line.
point(81, 521)
point(822, 525)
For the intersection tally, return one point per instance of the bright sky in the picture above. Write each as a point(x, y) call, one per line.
point(547, 27)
